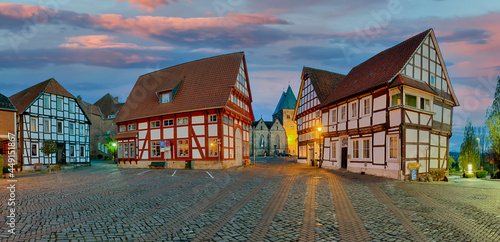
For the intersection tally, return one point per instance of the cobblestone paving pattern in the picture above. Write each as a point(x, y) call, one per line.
point(277, 200)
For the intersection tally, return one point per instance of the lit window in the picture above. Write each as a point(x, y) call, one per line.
point(393, 147)
point(34, 124)
point(410, 100)
point(168, 122)
point(396, 100)
point(59, 104)
point(165, 97)
point(334, 150)
point(212, 118)
point(182, 121)
point(132, 127)
point(60, 127)
point(214, 148)
point(355, 149)
point(155, 124)
point(183, 148)
point(366, 148)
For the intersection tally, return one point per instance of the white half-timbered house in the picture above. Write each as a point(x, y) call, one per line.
point(188, 112)
point(315, 87)
point(394, 109)
point(47, 111)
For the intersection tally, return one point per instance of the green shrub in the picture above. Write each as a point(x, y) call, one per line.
point(99, 156)
point(496, 175)
point(457, 167)
point(106, 157)
point(466, 175)
point(6, 169)
point(481, 174)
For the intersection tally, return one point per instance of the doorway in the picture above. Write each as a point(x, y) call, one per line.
point(61, 154)
point(343, 164)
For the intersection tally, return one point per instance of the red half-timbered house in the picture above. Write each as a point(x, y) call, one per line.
point(198, 111)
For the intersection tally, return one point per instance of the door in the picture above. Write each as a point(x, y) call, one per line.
point(238, 153)
point(344, 158)
point(61, 154)
point(310, 156)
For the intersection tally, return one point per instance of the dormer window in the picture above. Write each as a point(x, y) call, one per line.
point(166, 97)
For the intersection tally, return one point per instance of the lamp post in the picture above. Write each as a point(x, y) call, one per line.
point(480, 153)
point(320, 148)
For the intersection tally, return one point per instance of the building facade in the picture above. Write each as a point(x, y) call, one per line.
point(315, 87)
point(284, 113)
point(47, 111)
point(392, 110)
point(102, 114)
point(7, 125)
point(198, 111)
point(267, 138)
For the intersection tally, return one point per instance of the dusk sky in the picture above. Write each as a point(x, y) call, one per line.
point(97, 47)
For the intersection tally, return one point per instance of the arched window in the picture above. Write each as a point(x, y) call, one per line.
point(277, 141)
point(262, 141)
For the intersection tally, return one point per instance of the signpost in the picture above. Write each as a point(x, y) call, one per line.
point(166, 148)
point(414, 170)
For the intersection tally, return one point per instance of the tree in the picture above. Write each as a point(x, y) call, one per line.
point(493, 124)
point(49, 147)
point(469, 150)
point(451, 161)
point(112, 146)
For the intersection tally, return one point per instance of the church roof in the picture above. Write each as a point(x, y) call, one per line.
point(377, 71)
point(24, 98)
point(201, 84)
point(269, 124)
point(287, 101)
point(6, 104)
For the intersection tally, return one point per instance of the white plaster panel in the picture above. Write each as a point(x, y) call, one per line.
point(155, 134)
point(411, 135)
point(379, 102)
point(142, 134)
point(143, 125)
point(442, 141)
point(434, 139)
point(434, 152)
point(197, 119)
point(199, 129)
point(182, 132)
point(145, 155)
point(225, 130)
point(353, 124)
point(378, 155)
point(423, 136)
point(411, 151)
point(193, 143)
point(364, 121)
point(168, 133)
point(212, 130)
point(231, 133)
point(201, 140)
point(226, 143)
point(196, 154)
point(341, 126)
point(424, 118)
point(379, 117)
point(413, 117)
point(423, 153)
point(379, 138)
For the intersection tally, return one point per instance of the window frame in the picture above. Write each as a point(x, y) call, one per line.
point(33, 124)
point(157, 124)
point(390, 148)
point(131, 125)
point(211, 118)
point(333, 114)
point(399, 100)
point(46, 128)
point(155, 149)
point(123, 128)
point(183, 121)
point(366, 112)
point(355, 149)
point(35, 152)
point(412, 96)
point(72, 150)
point(354, 110)
point(82, 151)
point(60, 131)
point(72, 131)
point(61, 102)
point(71, 106)
point(343, 113)
point(366, 150)
point(46, 101)
point(184, 147)
point(166, 94)
point(168, 122)
point(334, 150)
point(213, 149)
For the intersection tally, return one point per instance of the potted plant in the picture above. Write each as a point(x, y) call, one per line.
point(6, 172)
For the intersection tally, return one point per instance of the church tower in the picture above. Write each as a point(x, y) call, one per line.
point(284, 113)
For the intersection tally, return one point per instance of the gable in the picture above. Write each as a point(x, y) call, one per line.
point(427, 65)
point(307, 97)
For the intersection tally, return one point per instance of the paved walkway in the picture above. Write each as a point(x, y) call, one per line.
point(275, 201)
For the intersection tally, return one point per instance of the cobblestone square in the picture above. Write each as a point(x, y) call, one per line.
point(277, 200)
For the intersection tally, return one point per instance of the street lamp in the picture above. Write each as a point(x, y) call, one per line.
point(320, 149)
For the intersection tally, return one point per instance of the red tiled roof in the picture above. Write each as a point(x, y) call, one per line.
point(376, 71)
point(202, 84)
point(408, 81)
point(324, 82)
point(24, 98)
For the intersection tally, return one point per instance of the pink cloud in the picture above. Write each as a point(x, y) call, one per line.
point(105, 42)
point(19, 11)
point(207, 50)
point(149, 5)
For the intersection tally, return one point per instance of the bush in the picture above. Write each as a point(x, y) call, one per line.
point(106, 157)
point(55, 168)
point(99, 156)
point(481, 174)
point(6, 169)
point(466, 175)
point(496, 175)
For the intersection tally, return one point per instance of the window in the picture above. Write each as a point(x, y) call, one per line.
point(212, 118)
point(366, 148)
point(111, 116)
point(59, 104)
point(123, 128)
point(34, 150)
point(120, 150)
point(230, 121)
point(105, 149)
point(214, 148)
point(46, 101)
point(334, 150)
point(355, 149)
point(182, 121)
point(82, 129)
point(34, 124)
point(155, 149)
point(333, 113)
point(393, 147)
point(354, 110)
point(342, 113)
point(366, 107)
point(155, 124)
point(183, 148)
point(168, 122)
point(71, 106)
point(425, 104)
point(288, 116)
point(225, 119)
point(60, 127)
point(410, 100)
point(125, 150)
point(132, 150)
point(396, 99)
point(72, 150)
point(132, 127)
point(46, 125)
point(98, 146)
point(71, 128)
point(165, 97)
point(82, 151)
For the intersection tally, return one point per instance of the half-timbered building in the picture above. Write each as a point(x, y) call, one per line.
point(47, 111)
point(198, 111)
point(7, 125)
point(393, 109)
point(315, 87)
